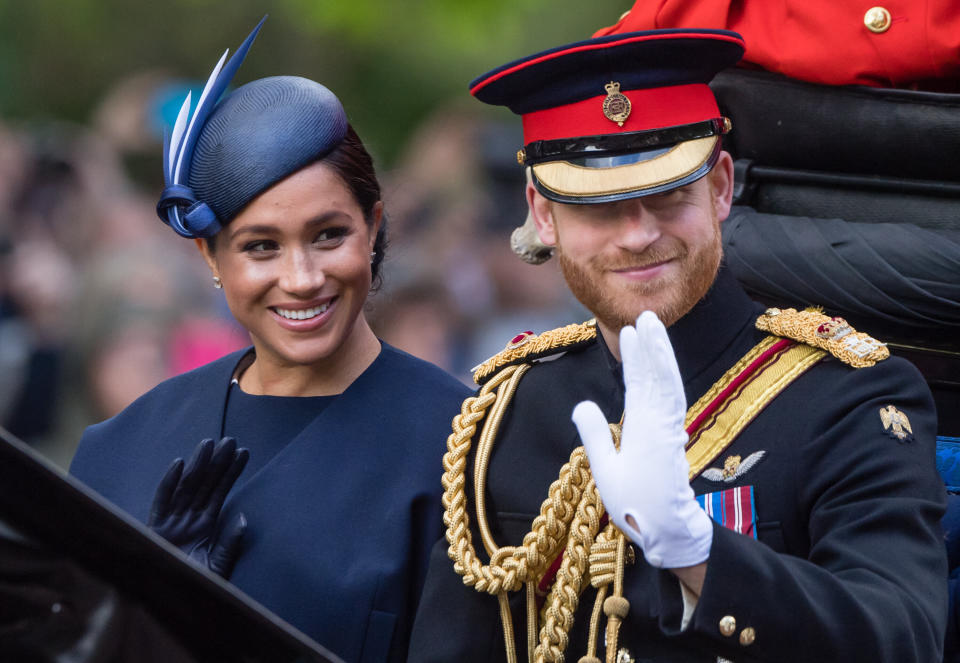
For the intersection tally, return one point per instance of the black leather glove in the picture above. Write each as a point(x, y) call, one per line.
point(186, 506)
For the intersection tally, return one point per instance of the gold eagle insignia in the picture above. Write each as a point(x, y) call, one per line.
point(835, 335)
point(528, 346)
point(733, 468)
point(896, 423)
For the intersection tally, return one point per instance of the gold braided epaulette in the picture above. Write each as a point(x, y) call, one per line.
point(529, 346)
point(835, 335)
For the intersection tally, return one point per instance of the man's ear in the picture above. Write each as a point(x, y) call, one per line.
point(721, 185)
point(541, 213)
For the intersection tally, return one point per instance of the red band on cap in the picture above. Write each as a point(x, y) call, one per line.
point(650, 109)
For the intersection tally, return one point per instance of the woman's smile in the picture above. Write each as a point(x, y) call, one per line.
point(303, 319)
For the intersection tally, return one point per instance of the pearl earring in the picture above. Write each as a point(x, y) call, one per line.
point(217, 283)
point(373, 254)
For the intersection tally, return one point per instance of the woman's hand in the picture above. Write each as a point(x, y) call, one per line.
point(186, 506)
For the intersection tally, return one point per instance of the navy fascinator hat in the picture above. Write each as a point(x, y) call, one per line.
point(226, 154)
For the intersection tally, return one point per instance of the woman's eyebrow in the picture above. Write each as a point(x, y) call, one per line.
point(268, 229)
point(327, 216)
point(256, 230)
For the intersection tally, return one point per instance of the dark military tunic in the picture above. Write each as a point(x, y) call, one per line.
point(343, 506)
point(849, 562)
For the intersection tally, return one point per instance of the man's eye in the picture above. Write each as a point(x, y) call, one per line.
point(665, 199)
point(664, 195)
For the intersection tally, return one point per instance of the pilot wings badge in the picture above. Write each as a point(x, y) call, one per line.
point(733, 468)
point(896, 424)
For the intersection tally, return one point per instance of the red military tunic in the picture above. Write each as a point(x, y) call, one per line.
point(908, 43)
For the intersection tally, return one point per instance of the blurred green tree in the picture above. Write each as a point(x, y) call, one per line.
point(389, 61)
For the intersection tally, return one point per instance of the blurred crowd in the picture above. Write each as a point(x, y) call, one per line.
point(99, 301)
point(454, 293)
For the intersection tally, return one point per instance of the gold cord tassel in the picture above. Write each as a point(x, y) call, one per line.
point(591, 656)
point(616, 607)
point(507, 621)
point(531, 620)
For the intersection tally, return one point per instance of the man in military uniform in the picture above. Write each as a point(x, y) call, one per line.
point(791, 514)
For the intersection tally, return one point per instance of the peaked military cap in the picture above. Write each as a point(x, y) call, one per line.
point(617, 117)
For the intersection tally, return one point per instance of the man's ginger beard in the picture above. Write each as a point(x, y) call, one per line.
point(668, 297)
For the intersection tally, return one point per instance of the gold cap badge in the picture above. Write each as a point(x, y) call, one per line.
point(616, 107)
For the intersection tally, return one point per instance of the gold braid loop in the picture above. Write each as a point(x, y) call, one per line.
point(510, 566)
point(549, 529)
point(568, 522)
point(565, 593)
point(455, 516)
point(603, 557)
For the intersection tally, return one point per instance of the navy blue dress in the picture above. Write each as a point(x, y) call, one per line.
point(343, 503)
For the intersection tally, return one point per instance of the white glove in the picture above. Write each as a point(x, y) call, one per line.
point(647, 479)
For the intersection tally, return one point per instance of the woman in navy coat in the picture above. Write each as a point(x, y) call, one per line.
point(330, 521)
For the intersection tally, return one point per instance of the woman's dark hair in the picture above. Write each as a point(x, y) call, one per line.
point(351, 161)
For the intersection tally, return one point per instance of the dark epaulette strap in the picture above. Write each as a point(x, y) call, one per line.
point(835, 335)
point(527, 347)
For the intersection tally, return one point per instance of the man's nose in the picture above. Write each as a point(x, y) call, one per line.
point(638, 226)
